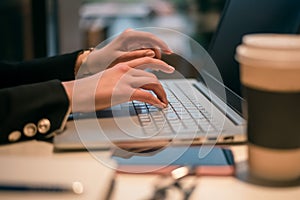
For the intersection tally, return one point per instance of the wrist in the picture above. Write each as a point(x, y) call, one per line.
point(82, 56)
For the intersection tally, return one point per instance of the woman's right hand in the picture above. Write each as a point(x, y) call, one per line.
point(126, 81)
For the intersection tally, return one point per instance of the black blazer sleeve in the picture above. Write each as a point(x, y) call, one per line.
point(38, 70)
point(34, 111)
point(33, 102)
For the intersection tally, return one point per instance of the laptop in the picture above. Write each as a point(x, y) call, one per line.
point(206, 110)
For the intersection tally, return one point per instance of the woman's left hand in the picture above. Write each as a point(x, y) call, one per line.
point(127, 46)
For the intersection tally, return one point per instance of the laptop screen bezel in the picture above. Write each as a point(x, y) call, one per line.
point(231, 11)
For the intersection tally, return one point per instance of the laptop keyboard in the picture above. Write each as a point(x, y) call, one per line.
point(184, 114)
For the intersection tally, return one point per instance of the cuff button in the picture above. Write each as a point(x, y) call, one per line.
point(14, 136)
point(30, 130)
point(44, 126)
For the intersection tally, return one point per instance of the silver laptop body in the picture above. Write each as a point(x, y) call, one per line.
point(190, 118)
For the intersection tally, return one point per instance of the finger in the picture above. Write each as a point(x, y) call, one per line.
point(141, 82)
point(151, 63)
point(158, 89)
point(157, 53)
point(140, 73)
point(148, 81)
point(127, 56)
point(148, 39)
point(144, 96)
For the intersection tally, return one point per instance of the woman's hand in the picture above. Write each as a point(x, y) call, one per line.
point(127, 46)
point(124, 82)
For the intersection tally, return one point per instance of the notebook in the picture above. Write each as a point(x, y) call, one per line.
point(201, 111)
point(25, 177)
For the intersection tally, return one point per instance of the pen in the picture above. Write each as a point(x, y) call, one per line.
point(76, 188)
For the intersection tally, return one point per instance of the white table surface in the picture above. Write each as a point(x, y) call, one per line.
point(132, 187)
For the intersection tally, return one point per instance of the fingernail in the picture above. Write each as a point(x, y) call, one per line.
point(168, 51)
point(161, 105)
point(171, 69)
point(150, 54)
point(164, 105)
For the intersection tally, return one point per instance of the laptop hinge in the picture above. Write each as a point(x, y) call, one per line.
point(223, 107)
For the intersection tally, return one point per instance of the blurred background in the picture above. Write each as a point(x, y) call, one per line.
point(38, 28)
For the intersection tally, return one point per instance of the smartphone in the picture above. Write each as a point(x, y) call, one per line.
point(202, 160)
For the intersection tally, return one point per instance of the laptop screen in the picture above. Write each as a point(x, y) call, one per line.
point(242, 17)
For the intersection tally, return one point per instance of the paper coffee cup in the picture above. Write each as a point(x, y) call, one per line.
point(270, 75)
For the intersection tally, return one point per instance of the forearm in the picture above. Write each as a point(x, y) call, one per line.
point(38, 70)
